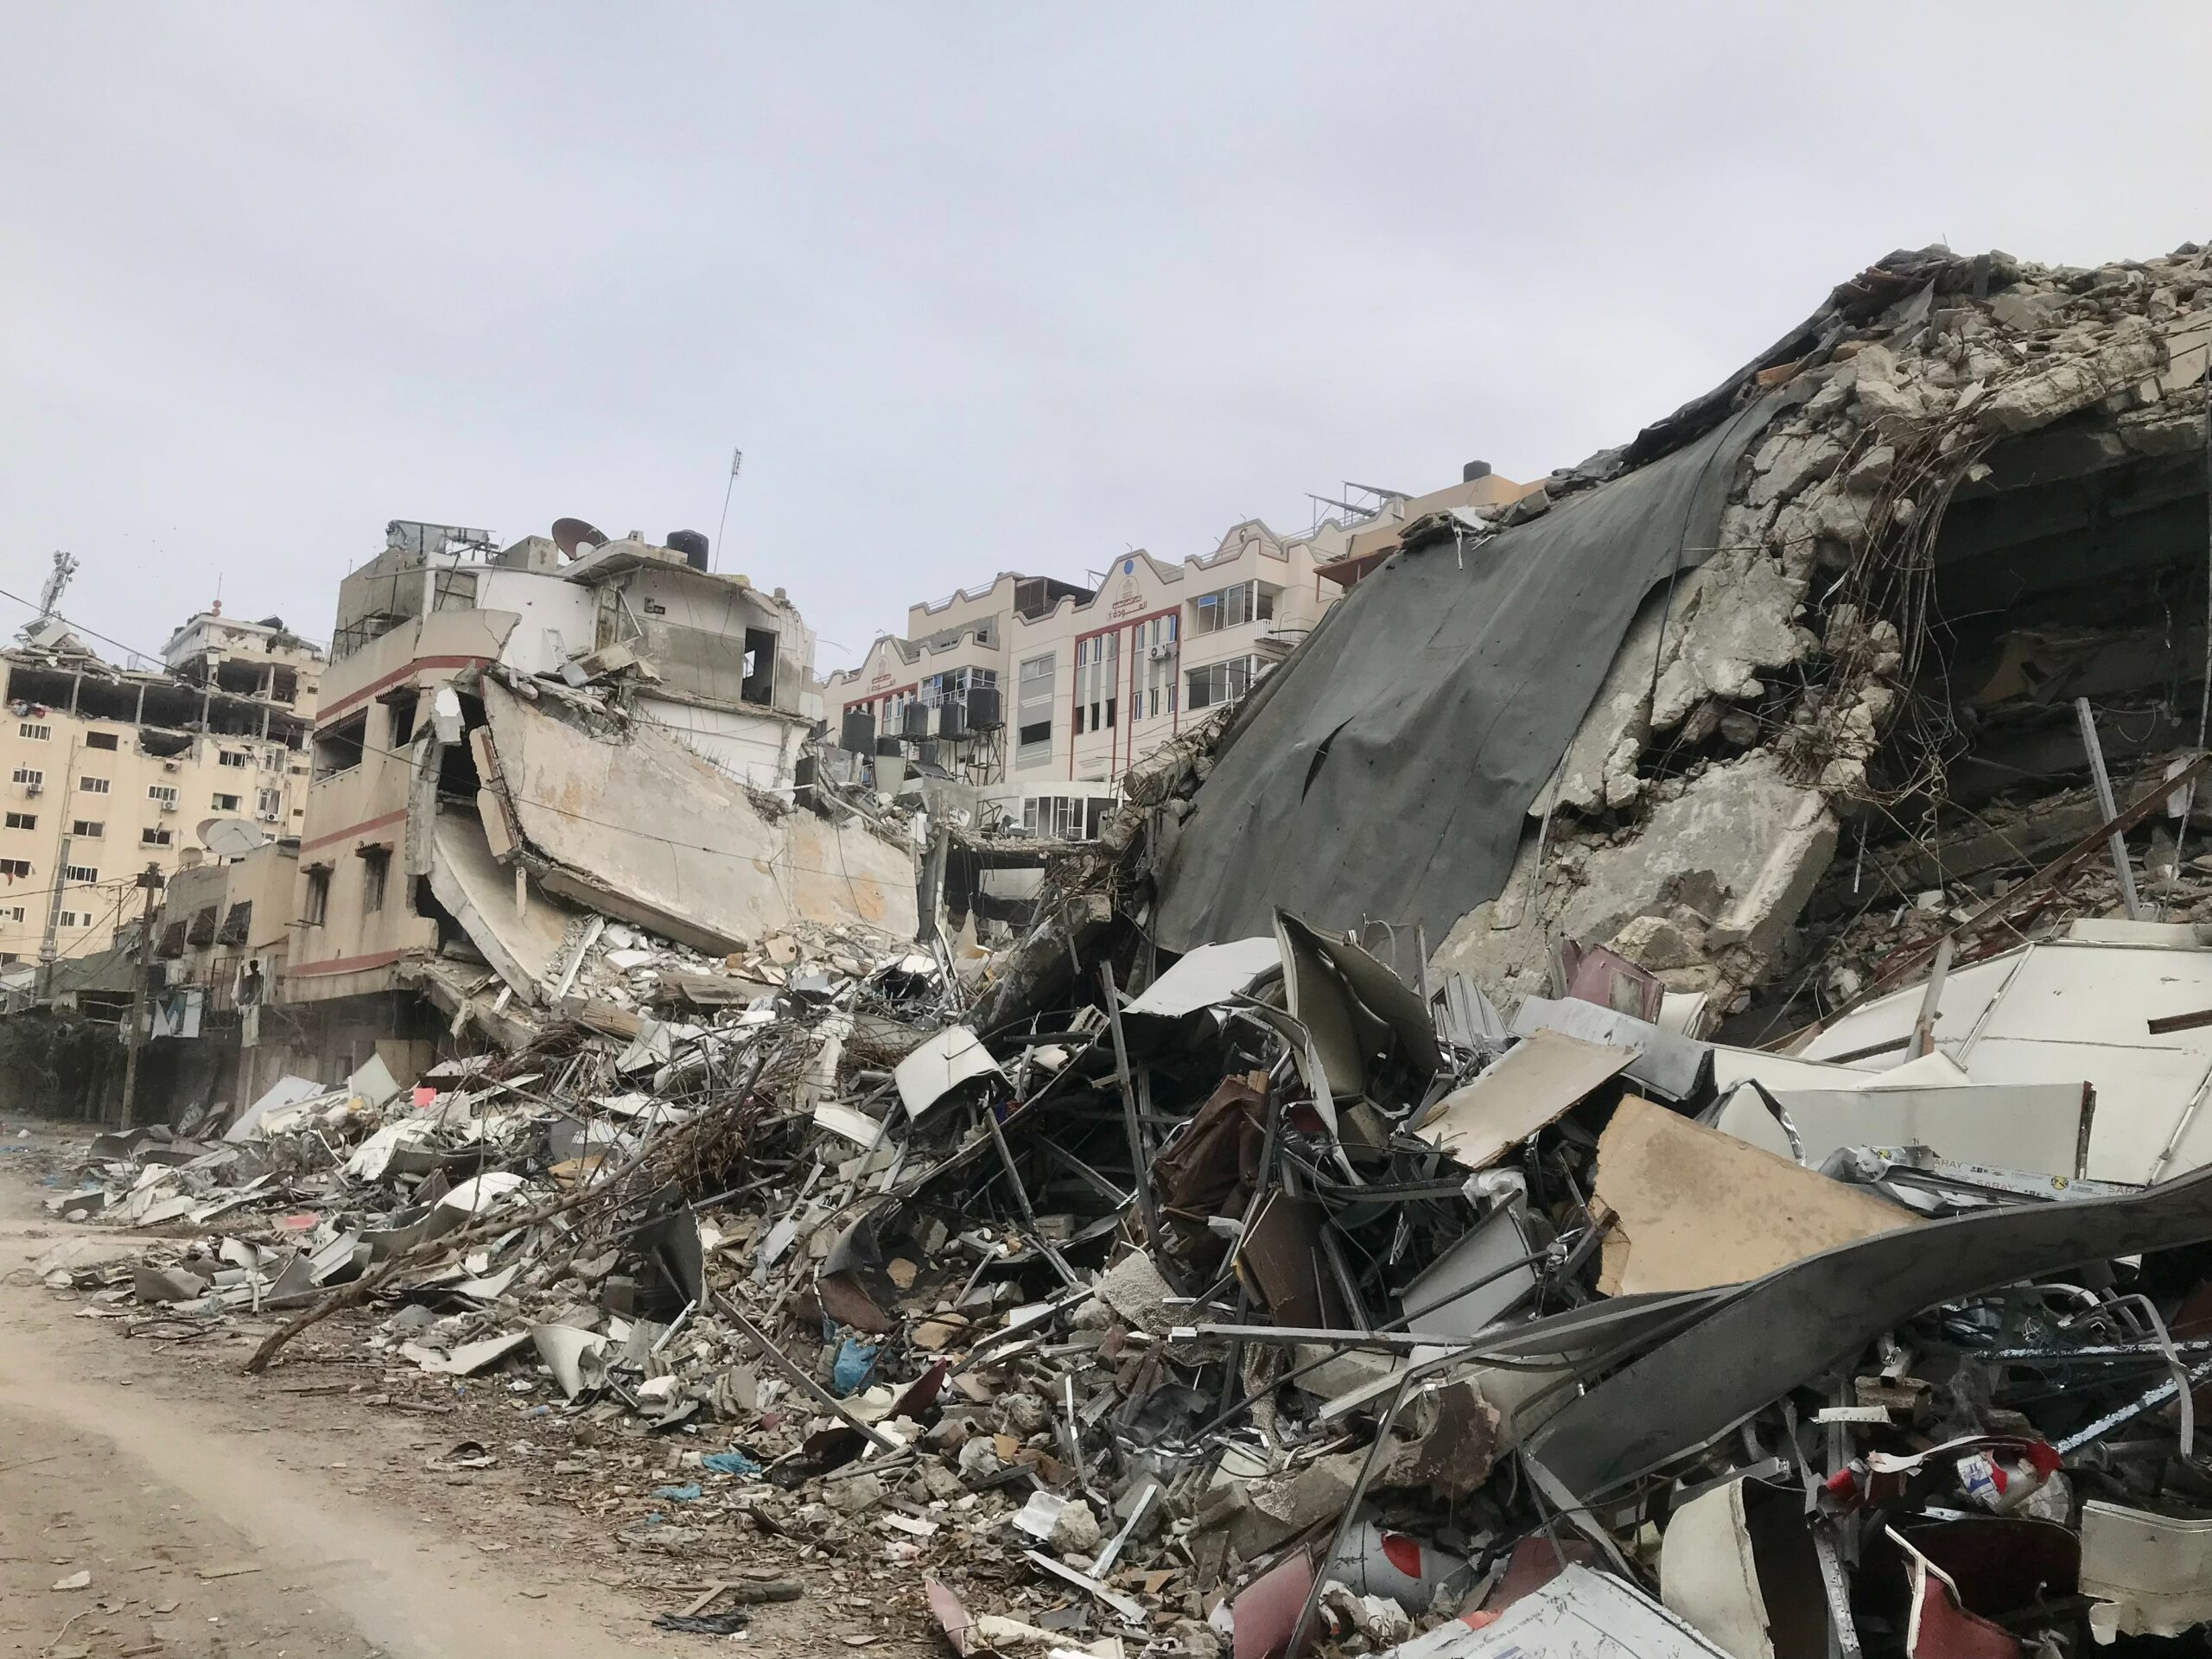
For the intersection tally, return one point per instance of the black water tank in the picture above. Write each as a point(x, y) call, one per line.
point(691, 544)
point(1473, 470)
point(917, 720)
point(858, 733)
point(949, 720)
point(887, 745)
point(925, 755)
point(983, 709)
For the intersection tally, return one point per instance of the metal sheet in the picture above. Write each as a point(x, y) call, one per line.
point(1488, 1250)
point(2034, 1127)
point(1209, 975)
point(955, 1055)
point(1767, 1337)
point(1581, 1614)
point(1674, 1065)
point(2154, 1570)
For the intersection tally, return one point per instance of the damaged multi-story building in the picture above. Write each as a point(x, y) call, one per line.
point(1812, 668)
point(108, 770)
point(519, 744)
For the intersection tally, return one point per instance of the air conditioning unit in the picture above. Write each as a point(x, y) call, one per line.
point(171, 765)
point(269, 817)
point(168, 806)
point(34, 789)
point(1160, 654)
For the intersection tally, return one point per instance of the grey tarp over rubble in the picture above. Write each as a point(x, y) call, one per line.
point(1384, 770)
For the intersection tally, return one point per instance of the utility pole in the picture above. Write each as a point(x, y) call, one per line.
point(150, 882)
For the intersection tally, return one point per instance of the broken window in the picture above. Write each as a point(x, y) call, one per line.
point(155, 837)
point(101, 741)
point(30, 777)
point(1034, 735)
point(90, 829)
point(237, 923)
point(234, 758)
point(201, 928)
point(1220, 682)
point(400, 732)
point(375, 865)
point(15, 869)
point(268, 803)
point(339, 748)
point(759, 683)
point(318, 897)
point(222, 803)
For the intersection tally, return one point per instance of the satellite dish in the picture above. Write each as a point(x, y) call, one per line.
point(231, 837)
point(571, 534)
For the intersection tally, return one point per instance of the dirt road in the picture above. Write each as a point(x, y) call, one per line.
point(221, 1516)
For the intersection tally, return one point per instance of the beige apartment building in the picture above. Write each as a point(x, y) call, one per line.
point(105, 770)
point(1041, 693)
point(468, 784)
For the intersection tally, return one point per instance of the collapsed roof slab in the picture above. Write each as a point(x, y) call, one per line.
point(640, 829)
point(522, 944)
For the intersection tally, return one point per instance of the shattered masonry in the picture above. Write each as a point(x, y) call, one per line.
point(1773, 1215)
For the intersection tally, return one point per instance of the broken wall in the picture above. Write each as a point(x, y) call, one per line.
point(633, 824)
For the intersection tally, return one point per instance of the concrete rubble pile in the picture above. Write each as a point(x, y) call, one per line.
point(1107, 1324)
point(1306, 1290)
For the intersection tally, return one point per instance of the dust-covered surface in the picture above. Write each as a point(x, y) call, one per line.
point(161, 1471)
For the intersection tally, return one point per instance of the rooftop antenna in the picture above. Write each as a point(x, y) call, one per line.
point(64, 566)
point(736, 462)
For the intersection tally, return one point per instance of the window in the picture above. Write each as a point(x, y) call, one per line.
point(268, 803)
point(99, 739)
point(13, 914)
point(338, 749)
point(400, 730)
point(318, 895)
point(92, 786)
point(30, 777)
point(15, 869)
point(1097, 677)
point(162, 795)
point(375, 863)
point(36, 733)
point(154, 838)
point(1154, 644)
point(1230, 607)
point(1065, 818)
point(86, 873)
point(22, 820)
point(1033, 735)
point(272, 760)
point(1220, 682)
point(90, 829)
point(237, 758)
point(224, 803)
point(76, 918)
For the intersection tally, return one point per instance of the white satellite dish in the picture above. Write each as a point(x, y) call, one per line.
point(231, 837)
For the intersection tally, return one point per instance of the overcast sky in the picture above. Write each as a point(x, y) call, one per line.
point(975, 287)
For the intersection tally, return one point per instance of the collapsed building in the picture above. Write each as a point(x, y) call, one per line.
point(518, 746)
point(1341, 1218)
point(1803, 652)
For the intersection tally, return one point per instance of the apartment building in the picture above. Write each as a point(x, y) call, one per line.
point(1040, 693)
point(105, 770)
point(473, 767)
